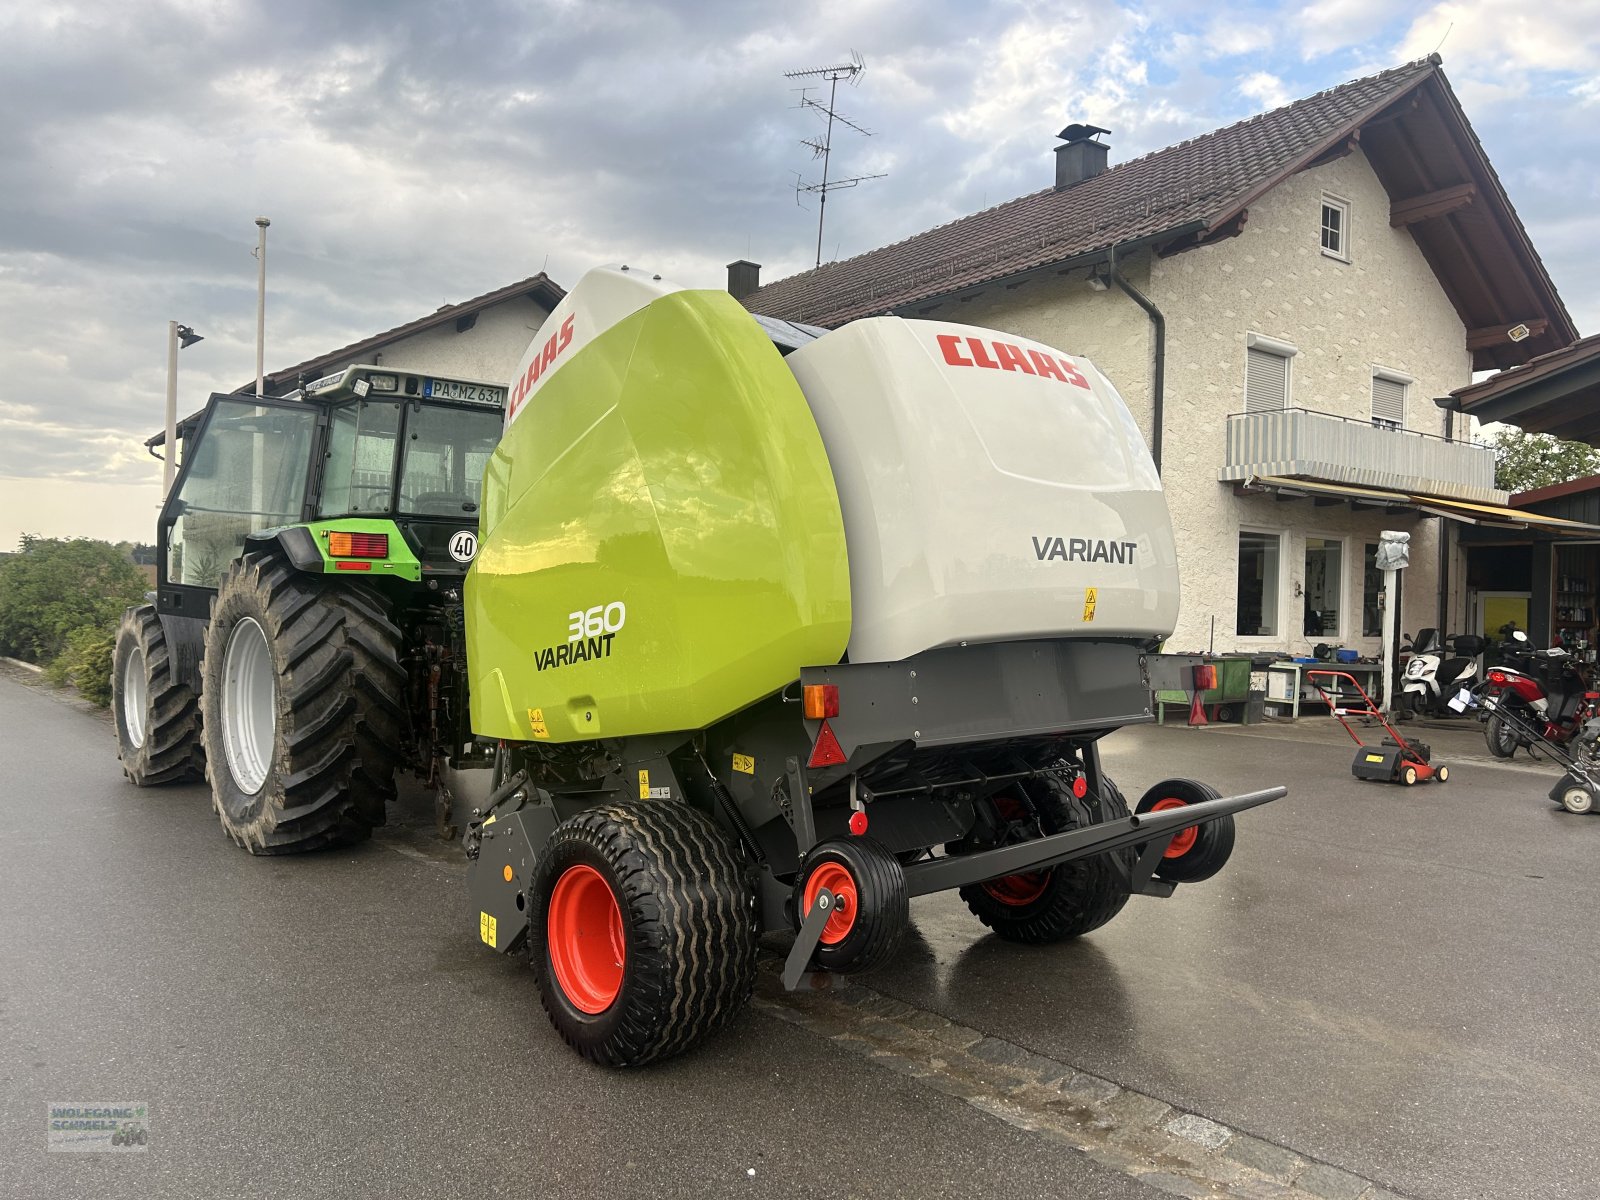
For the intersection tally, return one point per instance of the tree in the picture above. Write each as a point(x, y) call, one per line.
point(1524, 461)
point(51, 588)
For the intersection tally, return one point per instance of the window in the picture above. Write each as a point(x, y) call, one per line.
point(1323, 586)
point(248, 472)
point(359, 477)
point(1257, 611)
point(1371, 591)
point(1336, 228)
point(1389, 398)
point(1266, 373)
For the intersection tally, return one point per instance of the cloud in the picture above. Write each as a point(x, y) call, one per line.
point(412, 154)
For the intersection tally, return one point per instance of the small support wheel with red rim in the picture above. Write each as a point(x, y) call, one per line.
point(1200, 851)
point(873, 909)
point(642, 931)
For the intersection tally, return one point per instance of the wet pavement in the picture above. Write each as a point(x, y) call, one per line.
point(1393, 982)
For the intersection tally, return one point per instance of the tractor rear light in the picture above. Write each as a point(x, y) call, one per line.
point(821, 701)
point(827, 752)
point(352, 566)
point(358, 545)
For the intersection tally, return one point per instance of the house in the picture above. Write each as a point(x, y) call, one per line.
point(1280, 303)
point(480, 339)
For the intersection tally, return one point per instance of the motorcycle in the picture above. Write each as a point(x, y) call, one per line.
point(1437, 684)
point(1541, 692)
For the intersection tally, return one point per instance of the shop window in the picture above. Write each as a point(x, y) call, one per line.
point(1324, 577)
point(1256, 614)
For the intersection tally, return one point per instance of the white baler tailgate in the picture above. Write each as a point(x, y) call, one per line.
point(993, 488)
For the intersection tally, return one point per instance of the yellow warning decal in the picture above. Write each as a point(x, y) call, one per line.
point(1374, 758)
point(536, 719)
point(744, 764)
point(487, 930)
point(1090, 595)
point(644, 785)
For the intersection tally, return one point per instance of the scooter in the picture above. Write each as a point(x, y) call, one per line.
point(1534, 691)
point(1436, 684)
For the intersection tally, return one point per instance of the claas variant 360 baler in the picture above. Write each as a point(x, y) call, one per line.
point(778, 628)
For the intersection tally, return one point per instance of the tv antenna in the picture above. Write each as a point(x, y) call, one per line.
point(822, 147)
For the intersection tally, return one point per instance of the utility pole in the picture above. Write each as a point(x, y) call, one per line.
point(261, 306)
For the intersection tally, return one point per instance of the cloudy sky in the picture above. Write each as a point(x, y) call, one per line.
point(412, 154)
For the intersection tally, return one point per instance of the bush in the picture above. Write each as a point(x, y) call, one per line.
point(52, 588)
point(86, 663)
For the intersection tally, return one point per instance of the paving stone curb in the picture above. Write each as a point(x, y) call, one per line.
point(1174, 1152)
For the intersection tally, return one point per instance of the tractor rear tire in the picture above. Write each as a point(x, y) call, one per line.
point(157, 717)
point(642, 931)
point(303, 707)
point(1067, 900)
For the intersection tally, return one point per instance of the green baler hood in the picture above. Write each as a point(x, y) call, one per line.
point(662, 541)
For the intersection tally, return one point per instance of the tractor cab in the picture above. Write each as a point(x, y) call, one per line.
point(377, 469)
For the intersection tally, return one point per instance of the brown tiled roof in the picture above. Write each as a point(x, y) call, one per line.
point(1196, 185)
point(539, 287)
point(1580, 352)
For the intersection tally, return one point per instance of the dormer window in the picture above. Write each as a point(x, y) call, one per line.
point(1336, 228)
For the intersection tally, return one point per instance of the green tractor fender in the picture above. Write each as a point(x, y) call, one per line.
point(357, 546)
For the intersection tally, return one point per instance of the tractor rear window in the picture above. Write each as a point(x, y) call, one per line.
point(446, 450)
point(359, 477)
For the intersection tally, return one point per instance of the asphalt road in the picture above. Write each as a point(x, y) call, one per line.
point(327, 1026)
point(1396, 982)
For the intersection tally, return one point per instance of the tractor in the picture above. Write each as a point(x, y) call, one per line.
point(305, 640)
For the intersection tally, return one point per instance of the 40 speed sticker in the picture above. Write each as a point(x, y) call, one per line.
point(463, 545)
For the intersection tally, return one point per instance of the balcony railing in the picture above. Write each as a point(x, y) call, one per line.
point(1313, 445)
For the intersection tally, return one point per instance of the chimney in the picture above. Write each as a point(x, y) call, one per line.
point(744, 277)
point(1081, 157)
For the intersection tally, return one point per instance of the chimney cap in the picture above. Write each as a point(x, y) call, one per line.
point(1078, 133)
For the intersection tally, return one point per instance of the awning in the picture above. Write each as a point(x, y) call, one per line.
point(1470, 512)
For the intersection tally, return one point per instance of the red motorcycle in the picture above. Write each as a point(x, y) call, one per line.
point(1534, 695)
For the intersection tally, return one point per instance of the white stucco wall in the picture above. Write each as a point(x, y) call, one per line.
point(488, 352)
point(1382, 308)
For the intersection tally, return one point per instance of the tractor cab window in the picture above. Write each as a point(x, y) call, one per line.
point(246, 472)
point(359, 476)
point(446, 450)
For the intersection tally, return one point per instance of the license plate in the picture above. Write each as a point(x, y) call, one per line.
point(472, 393)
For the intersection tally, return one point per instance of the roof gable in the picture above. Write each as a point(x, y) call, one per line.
point(1406, 119)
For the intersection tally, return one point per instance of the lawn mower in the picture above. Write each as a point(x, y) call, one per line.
point(1393, 760)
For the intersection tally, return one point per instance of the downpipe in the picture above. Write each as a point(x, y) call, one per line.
point(1158, 373)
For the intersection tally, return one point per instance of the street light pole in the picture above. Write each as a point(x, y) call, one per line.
point(178, 337)
point(261, 306)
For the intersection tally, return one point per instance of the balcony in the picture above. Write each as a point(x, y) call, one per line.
point(1313, 445)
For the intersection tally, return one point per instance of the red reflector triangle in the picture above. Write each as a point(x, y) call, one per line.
point(827, 752)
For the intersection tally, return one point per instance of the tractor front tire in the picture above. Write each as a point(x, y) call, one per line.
point(1064, 901)
point(303, 707)
point(642, 931)
point(157, 718)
